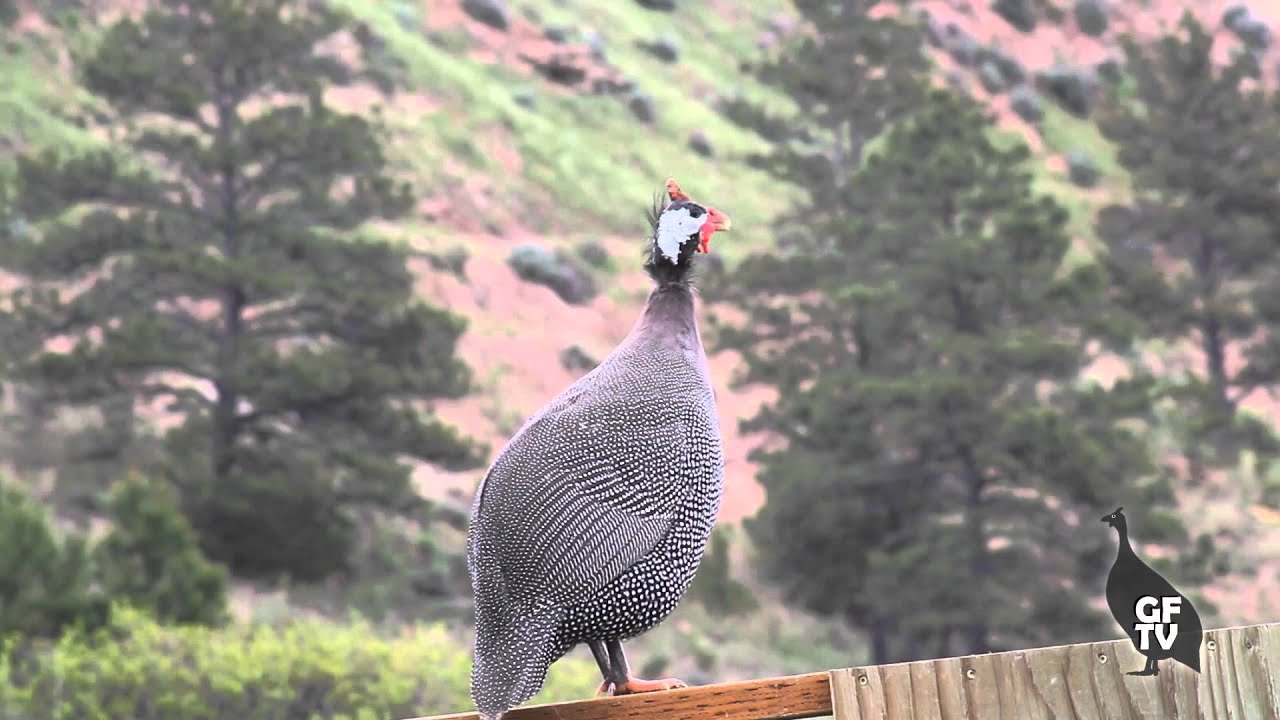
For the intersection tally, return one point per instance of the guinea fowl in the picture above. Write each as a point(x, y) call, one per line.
point(591, 522)
point(1132, 580)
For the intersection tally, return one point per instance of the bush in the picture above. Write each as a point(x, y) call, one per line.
point(642, 106)
point(714, 586)
point(1026, 103)
point(1019, 13)
point(664, 48)
point(1081, 168)
point(594, 254)
point(1091, 17)
point(565, 277)
point(556, 34)
point(453, 260)
point(1235, 14)
point(1010, 69)
point(701, 144)
point(576, 360)
point(1240, 20)
point(1110, 70)
point(1254, 33)
point(964, 49)
point(991, 77)
point(45, 580)
point(934, 33)
point(490, 12)
point(151, 558)
point(312, 669)
point(1070, 87)
point(1116, 223)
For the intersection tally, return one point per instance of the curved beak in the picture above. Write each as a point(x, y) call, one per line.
point(718, 220)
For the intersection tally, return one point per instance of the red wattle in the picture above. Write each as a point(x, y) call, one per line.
point(704, 240)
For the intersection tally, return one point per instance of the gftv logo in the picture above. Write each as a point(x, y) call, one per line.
point(1159, 620)
point(1157, 617)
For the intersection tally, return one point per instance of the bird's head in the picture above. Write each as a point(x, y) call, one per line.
point(1115, 519)
point(680, 228)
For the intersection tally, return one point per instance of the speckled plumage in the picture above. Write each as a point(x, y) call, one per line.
point(591, 522)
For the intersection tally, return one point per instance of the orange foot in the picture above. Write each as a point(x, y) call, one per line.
point(637, 685)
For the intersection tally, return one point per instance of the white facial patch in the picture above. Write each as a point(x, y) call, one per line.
point(674, 228)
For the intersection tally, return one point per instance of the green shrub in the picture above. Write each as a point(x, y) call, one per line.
point(1110, 70)
point(715, 587)
point(558, 271)
point(1072, 88)
point(45, 579)
point(991, 77)
point(1091, 17)
point(309, 670)
point(151, 558)
point(1010, 69)
point(1019, 13)
point(452, 261)
point(1254, 32)
point(1026, 103)
point(1081, 168)
point(964, 48)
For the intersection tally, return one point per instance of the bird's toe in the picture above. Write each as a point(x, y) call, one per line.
point(637, 685)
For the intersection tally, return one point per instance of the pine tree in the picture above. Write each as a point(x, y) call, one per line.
point(1194, 256)
point(942, 471)
point(214, 264)
point(45, 579)
point(849, 78)
point(714, 586)
point(151, 559)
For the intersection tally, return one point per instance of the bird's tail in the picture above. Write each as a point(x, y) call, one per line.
point(1189, 656)
point(513, 652)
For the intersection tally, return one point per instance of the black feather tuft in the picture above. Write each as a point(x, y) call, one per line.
point(655, 212)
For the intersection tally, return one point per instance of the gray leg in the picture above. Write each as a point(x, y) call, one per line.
point(617, 663)
point(602, 658)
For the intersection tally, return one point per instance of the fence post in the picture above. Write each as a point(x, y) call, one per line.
point(1240, 679)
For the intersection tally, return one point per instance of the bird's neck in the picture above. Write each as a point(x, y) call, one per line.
point(669, 316)
point(1125, 547)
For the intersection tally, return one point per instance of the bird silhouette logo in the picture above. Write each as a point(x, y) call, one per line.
point(1159, 620)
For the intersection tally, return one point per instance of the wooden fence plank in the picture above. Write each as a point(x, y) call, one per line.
point(1268, 661)
point(1049, 678)
point(949, 674)
point(1240, 680)
point(926, 690)
point(898, 700)
point(1109, 680)
point(785, 698)
point(844, 695)
point(871, 698)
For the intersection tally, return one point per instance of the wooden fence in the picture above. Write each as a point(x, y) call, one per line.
point(1240, 680)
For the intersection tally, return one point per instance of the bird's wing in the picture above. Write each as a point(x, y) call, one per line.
point(582, 492)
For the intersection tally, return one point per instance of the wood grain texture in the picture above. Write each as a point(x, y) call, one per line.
point(785, 698)
point(1090, 681)
point(1239, 680)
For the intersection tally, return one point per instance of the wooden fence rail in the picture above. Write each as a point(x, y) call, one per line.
point(1240, 680)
